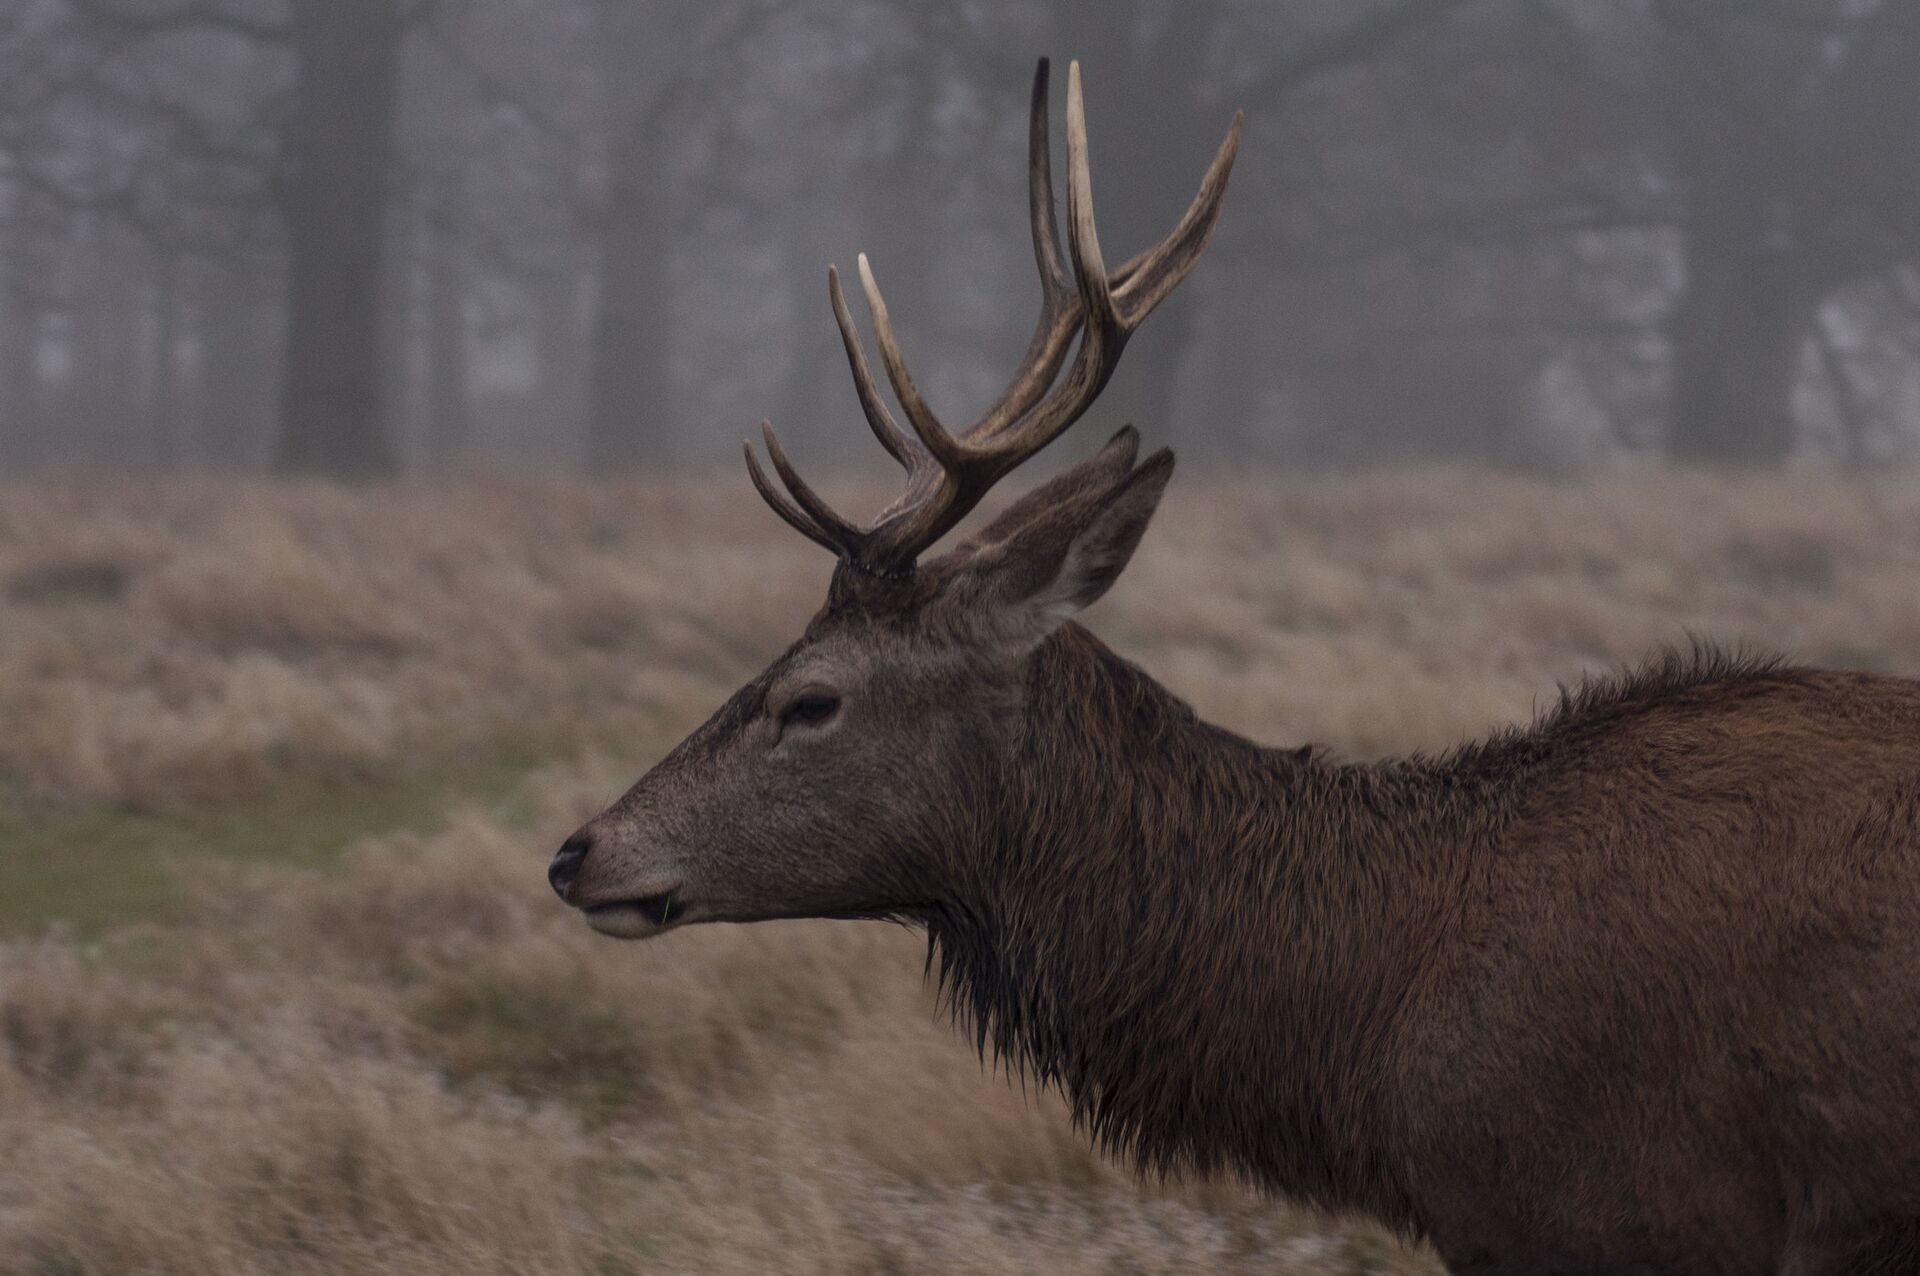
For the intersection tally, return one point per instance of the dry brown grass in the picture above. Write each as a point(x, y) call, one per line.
point(420, 1063)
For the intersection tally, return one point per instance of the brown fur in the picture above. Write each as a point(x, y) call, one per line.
point(1639, 985)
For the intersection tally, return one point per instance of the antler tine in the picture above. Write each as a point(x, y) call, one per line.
point(1104, 333)
point(899, 446)
point(1116, 304)
point(1205, 207)
point(999, 443)
point(925, 424)
point(784, 507)
point(951, 474)
point(1145, 281)
point(1201, 214)
point(1059, 299)
point(1083, 240)
point(836, 528)
point(1046, 232)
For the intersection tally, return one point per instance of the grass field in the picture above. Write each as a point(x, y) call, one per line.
point(282, 988)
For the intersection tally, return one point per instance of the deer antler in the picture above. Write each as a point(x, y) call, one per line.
point(947, 474)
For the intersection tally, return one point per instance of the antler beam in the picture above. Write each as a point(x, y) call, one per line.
point(948, 474)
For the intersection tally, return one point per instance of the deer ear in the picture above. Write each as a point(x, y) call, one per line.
point(1094, 476)
point(1059, 560)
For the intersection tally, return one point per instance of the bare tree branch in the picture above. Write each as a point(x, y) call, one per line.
point(493, 88)
point(1352, 44)
point(114, 17)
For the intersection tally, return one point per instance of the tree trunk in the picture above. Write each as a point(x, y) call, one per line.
point(19, 382)
point(19, 339)
point(630, 399)
point(340, 148)
point(564, 360)
point(1736, 335)
point(240, 348)
point(446, 357)
point(444, 342)
point(163, 394)
point(105, 424)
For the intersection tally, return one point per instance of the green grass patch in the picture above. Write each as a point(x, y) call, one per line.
point(90, 865)
point(84, 580)
point(536, 1039)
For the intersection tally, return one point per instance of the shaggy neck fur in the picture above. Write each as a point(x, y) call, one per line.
point(1209, 946)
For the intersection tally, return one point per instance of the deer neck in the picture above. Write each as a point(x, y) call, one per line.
point(1207, 945)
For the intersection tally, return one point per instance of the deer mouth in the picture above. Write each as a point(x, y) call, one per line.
point(641, 917)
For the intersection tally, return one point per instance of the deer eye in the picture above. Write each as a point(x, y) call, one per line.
point(810, 709)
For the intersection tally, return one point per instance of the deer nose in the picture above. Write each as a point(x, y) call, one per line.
point(567, 861)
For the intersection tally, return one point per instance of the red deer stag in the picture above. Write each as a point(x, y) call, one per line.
point(1636, 989)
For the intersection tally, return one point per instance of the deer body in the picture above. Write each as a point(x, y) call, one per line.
point(1603, 995)
point(1635, 990)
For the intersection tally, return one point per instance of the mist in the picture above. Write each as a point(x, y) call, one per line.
point(372, 237)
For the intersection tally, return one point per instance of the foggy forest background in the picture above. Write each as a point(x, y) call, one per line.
point(361, 237)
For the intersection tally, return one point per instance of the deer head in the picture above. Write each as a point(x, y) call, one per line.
point(845, 779)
